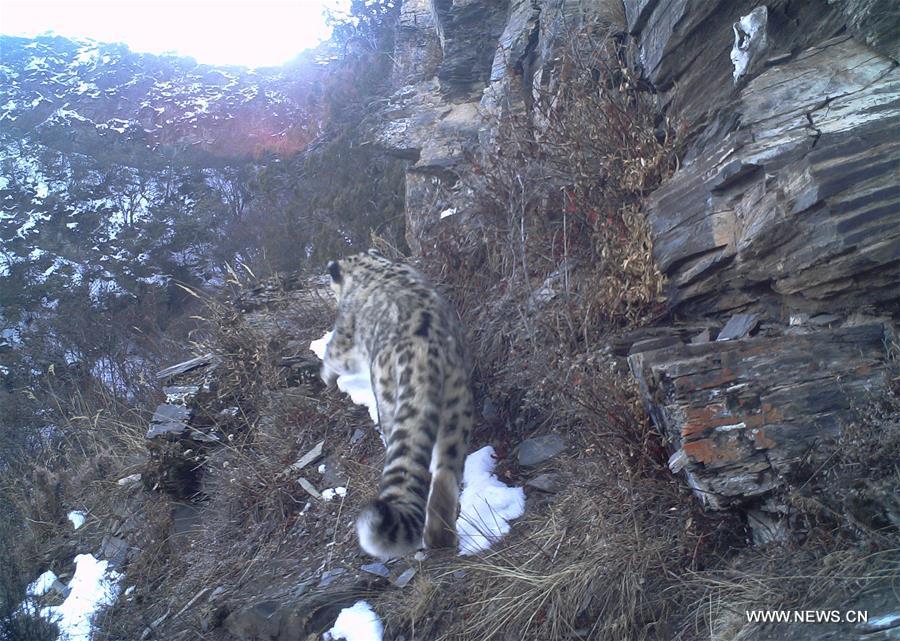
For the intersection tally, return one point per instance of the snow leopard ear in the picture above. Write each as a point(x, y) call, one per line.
point(334, 270)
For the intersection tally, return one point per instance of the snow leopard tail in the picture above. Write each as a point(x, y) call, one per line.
point(392, 525)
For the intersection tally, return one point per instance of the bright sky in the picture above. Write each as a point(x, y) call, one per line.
point(252, 33)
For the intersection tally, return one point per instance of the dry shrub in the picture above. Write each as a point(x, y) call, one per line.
point(553, 252)
point(556, 195)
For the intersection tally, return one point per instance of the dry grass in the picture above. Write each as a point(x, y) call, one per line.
point(556, 198)
point(601, 558)
point(258, 531)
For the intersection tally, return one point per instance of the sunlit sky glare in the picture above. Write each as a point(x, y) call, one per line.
point(252, 33)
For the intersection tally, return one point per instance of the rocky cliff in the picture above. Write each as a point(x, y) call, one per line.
point(778, 235)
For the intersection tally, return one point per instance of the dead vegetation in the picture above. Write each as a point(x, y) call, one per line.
point(251, 528)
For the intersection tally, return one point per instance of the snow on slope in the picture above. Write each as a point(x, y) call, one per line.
point(356, 623)
point(93, 586)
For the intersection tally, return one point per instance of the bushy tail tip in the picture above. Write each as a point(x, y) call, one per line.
point(387, 531)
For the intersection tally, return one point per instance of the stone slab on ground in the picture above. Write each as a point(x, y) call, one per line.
point(169, 420)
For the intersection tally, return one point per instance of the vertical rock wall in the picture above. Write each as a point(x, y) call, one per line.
point(786, 208)
point(784, 215)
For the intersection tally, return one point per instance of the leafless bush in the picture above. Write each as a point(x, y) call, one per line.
point(556, 197)
point(552, 251)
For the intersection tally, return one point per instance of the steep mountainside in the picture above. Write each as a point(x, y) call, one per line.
point(670, 228)
point(88, 96)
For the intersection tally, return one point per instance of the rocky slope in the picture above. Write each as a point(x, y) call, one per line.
point(104, 96)
point(779, 239)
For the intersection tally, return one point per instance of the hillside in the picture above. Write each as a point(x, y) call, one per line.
point(670, 229)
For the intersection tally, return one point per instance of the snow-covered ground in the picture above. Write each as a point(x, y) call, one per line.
point(356, 623)
point(93, 586)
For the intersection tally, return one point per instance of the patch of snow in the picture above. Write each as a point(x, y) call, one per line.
point(40, 585)
point(330, 493)
point(359, 388)
point(92, 587)
point(749, 39)
point(64, 113)
point(84, 87)
point(87, 55)
point(117, 124)
point(448, 212)
point(318, 347)
point(155, 279)
point(357, 385)
point(35, 64)
point(321, 468)
point(486, 505)
point(77, 517)
point(356, 623)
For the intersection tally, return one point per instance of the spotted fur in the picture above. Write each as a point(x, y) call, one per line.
point(392, 322)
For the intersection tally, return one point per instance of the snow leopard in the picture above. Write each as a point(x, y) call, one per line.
point(392, 322)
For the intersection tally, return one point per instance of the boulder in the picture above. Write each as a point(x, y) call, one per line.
point(540, 449)
point(741, 414)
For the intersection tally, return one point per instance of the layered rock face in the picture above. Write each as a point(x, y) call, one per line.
point(786, 207)
point(784, 215)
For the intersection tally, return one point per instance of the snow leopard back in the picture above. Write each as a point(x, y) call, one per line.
point(392, 321)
